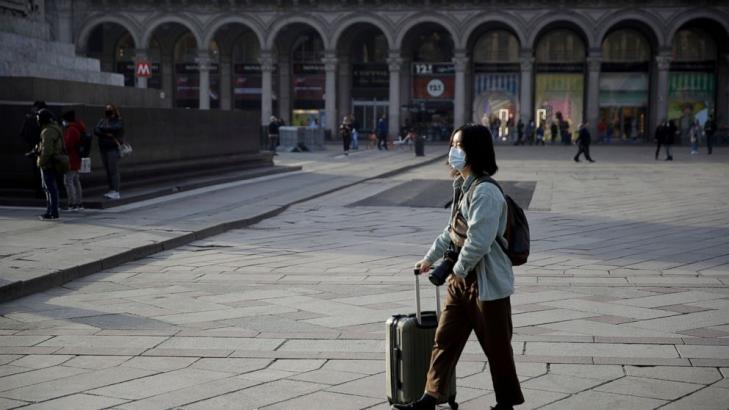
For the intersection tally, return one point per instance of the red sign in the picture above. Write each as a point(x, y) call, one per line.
point(433, 87)
point(143, 69)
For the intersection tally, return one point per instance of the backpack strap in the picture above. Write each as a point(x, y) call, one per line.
point(469, 195)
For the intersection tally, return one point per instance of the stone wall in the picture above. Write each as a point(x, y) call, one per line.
point(165, 141)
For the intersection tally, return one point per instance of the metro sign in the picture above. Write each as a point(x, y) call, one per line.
point(143, 69)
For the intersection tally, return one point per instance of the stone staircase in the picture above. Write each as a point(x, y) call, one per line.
point(24, 56)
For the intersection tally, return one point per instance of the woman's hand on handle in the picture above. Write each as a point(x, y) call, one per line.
point(423, 266)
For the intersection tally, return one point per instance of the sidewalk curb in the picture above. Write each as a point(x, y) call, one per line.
point(23, 288)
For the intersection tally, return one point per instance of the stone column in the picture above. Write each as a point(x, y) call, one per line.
point(267, 65)
point(722, 95)
point(330, 90)
point(344, 87)
point(394, 62)
point(460, 62)
point(64, 22)
point(226, 83)
point(526, 105)
point(660, 93)
point(284, 85)
point(140, 55)
point(203, 63)
point(594, 64)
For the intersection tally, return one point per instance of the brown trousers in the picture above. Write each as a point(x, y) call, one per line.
point(491, 320)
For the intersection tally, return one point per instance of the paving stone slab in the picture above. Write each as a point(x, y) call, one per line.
point(651, 388)
point(601, 349)
point(77, 402)
point(596, 400)
point(159, 383)
point(258, 396)
point(325, 400)
point(709, 398)
point(680, 374)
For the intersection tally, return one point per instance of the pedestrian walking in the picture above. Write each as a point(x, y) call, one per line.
point(519, 133)
point(382, 133)
point(553, 132)
point(583, 143)
point(73, 131)
point(672, 132)
point(694, 135)
point(110, 131)
point(273, 126)
point(345, 133)
point(482, 279)
point(710, 131)
point(529, 133)
point(52, 161)
point(540, 133)
point(660, 136)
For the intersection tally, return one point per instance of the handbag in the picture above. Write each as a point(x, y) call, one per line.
point(85, 166)
point(124, 148)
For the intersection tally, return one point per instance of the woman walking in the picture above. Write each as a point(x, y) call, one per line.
point(482, 279)
point(110, 131)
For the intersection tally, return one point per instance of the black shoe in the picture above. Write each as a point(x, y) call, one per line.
point(424, 403)
point(502, 407)
point(591, 160)
point(47, 217)
point(576, 159)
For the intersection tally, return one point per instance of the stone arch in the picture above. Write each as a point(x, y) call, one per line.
point(316, 24)
point(650, 24)
point(219, 22)
point(154, 23)
point(578, 21)
point(82, 38)
point(719, 17)
point(514, 24)
point(444, 21)
point(372, 19)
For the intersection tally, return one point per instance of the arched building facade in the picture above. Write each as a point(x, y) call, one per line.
point(624, 67)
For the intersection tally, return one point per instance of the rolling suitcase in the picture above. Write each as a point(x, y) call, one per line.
point(410, 341)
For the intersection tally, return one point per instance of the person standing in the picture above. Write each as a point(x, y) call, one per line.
point(519, 133)
point(49, 150)
point(273, 127)
point(482, 279)
point(583, 143)
point(672, 132)
point(345, 133)
point(540, 133)
point(355, 133)
point(553, 132)
point(30, 134)
point(110, 131)
point(382, 133)
point(660, 136)
point(530, 132)
point(694, 133)
point(710, 131)
point(73, 131)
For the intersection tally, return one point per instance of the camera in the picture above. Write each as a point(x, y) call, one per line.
point(439, 275)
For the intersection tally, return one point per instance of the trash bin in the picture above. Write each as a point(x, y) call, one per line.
point(419, 146)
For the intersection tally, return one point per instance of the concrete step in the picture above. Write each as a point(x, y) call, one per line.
point(37, 70)
point(20, 57)
point(18, 43)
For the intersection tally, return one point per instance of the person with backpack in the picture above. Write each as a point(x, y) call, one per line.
point(52, 161)
point(74, 137)
point(481, 280)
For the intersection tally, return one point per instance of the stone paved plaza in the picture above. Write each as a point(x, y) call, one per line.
point(624, 303)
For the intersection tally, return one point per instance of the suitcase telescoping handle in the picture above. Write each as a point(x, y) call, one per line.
point(418, 314)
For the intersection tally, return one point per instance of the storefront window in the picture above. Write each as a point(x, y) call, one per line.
point(370, 78)
point(692, 80)
point(560, 80)
point(247, 72)
point(309, 80)
point(187, 73)
point(624, 87)
point(496, 81)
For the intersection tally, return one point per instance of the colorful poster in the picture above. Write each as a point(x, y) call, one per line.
point(561, 93)
point(691, 94)
point(494, 93)
point(624, 89)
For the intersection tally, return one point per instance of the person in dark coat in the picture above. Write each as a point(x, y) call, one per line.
point(73, 130)
point(710, 131)
point(668, 138)
point(553, 132)
point(110, 131)
point(660, 136)
point(519, 132)
point(583, 143)
point(382, 133)
point(273, 127)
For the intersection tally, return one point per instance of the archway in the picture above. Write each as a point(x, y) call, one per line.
point(364, 79)
point(113, 45)
point(560, 81)
point(430, 80)
point(496, 78)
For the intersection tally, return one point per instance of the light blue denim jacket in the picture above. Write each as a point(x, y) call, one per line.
point(486, 213)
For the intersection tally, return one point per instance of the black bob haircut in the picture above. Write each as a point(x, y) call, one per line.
point(479, 147)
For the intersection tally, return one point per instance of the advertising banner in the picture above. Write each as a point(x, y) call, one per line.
point(187, 85)
point(691, 94)
point(624, 89)
point(563, 93)
point(309, 81)
point(433, 81)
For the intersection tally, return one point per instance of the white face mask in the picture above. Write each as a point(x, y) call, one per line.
point(457, 158)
